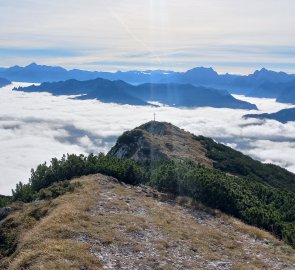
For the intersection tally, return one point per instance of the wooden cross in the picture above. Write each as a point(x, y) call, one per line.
point(154, 117)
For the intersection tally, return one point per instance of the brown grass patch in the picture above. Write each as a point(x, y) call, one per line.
point(60, 233)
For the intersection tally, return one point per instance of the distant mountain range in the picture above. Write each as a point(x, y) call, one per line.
point(101, 89)
point(282, 116)
point(39, 73)
point(262, 83)
point(179, 95)
point(4, 82)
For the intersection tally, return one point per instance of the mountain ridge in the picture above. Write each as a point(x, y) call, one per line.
point(156, 141)
point(177, 95)
point(284, 116)
point(287, 95)
point(253, 84)
point(4, 82)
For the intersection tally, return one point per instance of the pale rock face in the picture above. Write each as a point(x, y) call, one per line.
point(121, 152)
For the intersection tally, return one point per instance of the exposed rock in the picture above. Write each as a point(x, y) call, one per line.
point(155, 141)
point(151, 234)
point(4, 212)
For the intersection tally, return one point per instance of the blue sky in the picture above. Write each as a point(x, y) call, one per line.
point(234, 36)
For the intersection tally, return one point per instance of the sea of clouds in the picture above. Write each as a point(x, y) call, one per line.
point(34, 127)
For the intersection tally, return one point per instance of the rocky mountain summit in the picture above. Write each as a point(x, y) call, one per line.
point(155, 141)
point(161, 141)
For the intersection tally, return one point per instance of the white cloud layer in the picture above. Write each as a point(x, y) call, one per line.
point(34, 127)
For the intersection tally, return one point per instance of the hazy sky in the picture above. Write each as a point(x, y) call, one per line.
point(237, 36)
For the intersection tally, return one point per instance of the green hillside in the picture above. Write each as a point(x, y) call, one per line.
point(234, 162)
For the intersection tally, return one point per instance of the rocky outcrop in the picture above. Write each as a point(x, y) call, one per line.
point(4, 212)
point(155, 141)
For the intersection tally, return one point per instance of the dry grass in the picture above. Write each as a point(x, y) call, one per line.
point(252, 231)
point(133, 229)
point(48, 241)
point(59, 234)
point(161, 244)
point(56, 254)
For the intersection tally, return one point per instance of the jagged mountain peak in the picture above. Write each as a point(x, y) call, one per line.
point(32, 65)
point(269, 74)
point(202, 71)
point(32, 68)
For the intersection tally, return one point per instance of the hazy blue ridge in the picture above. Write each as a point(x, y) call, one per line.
point(4, 82)
point(282, 116)
point(262, 83)
point(287, 95)
point(178, 95)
